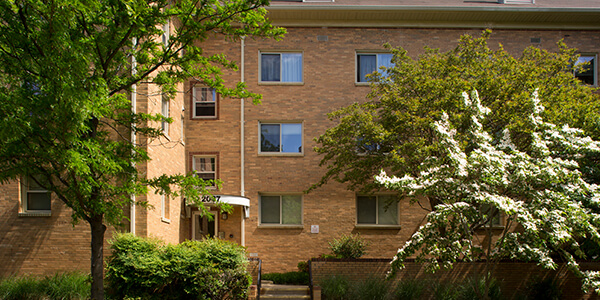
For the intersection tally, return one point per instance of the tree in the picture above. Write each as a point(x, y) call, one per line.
point(66, 68)
point(393, 131)
point(547, 207)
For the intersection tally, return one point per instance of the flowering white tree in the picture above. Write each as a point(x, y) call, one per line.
point(546, 207)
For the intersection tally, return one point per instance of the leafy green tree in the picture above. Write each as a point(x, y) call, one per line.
point(66, 68)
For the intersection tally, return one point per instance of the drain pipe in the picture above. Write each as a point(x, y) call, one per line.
point(242, 145)
point(133, 137)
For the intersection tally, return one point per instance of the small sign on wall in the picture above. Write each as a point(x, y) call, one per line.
point(314, 228)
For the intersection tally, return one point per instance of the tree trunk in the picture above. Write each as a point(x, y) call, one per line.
point(98, 230)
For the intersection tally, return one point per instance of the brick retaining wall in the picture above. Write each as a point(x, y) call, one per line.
point(512, 276)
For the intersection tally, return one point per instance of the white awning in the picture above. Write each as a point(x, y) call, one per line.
point(231, 200)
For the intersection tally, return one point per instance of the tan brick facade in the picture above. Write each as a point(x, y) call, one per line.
point(329, 84)
point(40, 244)
point(30, 244)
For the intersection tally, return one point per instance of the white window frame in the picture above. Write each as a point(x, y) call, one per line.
point(165, 208)
point(165, 111)
point(280, 224)
point(376, 224)
point(280, 82)
point(196, 99)
point(594, 67)
point(280, 152)
point(356, 65)
point(25, 192)
point(214, 172)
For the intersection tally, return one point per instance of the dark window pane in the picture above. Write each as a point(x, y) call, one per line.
point(38, 201)
point(269, 138)
point(366, 208)
point(205, 110)
point(270, 69)
point(587, 74)
point(269, 209)
point(367, 63)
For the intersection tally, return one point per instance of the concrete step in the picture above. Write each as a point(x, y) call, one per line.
point(280, 289)
point(283, 297)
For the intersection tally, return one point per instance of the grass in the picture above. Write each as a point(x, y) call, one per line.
point(61, 286)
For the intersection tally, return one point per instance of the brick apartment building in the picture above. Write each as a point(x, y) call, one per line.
point(263, 153)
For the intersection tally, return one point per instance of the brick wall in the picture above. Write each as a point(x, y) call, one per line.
point(328, 84)
point(41, 245)
point(513, 277)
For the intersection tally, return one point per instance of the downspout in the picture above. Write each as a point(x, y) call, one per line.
point(133, 137)
point(242, 158)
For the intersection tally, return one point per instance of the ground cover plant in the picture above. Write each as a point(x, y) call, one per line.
point(149, 269)
point(61, 286)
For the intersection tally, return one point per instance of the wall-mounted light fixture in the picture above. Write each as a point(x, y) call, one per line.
point(224, 216)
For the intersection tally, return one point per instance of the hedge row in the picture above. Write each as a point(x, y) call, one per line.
point(142, 268)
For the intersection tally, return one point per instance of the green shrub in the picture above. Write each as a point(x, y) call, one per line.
point(348, 246)
point(444, 291)
point(410, 289)
point(335, 287)
point(545, 289)
point(303, 266)
point(293, 278)
point(66, 286)
point(374, 288)
point(149, 269)
point(473, 287)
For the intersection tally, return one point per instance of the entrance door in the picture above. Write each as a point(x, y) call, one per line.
point(202, 227)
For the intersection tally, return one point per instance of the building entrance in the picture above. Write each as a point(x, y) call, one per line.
point(202, 227)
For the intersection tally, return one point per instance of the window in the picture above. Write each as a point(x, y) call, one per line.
point(364, 147)
point(281, 138)
point(205, 167)
point(204, 102)
point(35, 197)
point(491, 215)
point(281, 67)
point(164, 125)
point(165, 208)
point(281, 209)
point(367, 63)
point(589, 71)
point(376, 210)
